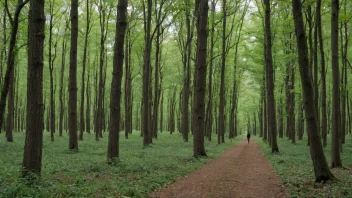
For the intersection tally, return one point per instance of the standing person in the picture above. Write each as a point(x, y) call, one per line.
point(248, 137)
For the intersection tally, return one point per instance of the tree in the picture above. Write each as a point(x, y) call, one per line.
point(321, 169)
point(185, 45)
point(11, 56)
point(115, 97)
point(85, 51)
point(221, 129)
point(146, 130)
point(104, 15)
point(270, 80)
point(32, 157)
point(198, 113)
point(52, 58)
point(62, 72)
point(209, 110)
point(72, 116)
point(336, 117)
point(323, 74)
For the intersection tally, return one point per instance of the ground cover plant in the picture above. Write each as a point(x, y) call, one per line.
point(86, 173)
point(294, 165)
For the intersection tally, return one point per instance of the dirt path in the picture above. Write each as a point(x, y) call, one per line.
point(241, 171)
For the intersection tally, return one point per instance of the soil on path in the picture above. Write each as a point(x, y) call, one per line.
point(241, 171)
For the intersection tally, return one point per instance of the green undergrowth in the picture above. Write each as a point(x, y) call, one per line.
point(295, 167)
point(86, 173)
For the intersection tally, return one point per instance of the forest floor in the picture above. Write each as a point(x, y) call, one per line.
point(242, 171)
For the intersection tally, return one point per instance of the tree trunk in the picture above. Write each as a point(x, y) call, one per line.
point(344, 53)
point(222, 78)
point(336, 118)
point(270, 80)
point(10, 58)
point(32, 157)
point(98, 127)
point(85, 49)
point(10, 109)
point(52, 58)
point(147, 136)
point(265, 118)
point(186, 74)
point(198, 114)
point(61, 99)
point(321, 169)
point(115, 97)
point(323, 75)
point(88, 105)
point(128, 88)
point(72, 116)
point(209, 111)
point(281, 118)
point(161, 112)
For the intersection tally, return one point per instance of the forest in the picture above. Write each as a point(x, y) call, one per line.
point(104, 98)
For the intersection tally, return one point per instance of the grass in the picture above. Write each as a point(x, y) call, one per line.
point(295, 167)
point(86, 173)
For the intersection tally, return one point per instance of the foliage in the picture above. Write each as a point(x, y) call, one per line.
point(294, 165)
point(86, 173)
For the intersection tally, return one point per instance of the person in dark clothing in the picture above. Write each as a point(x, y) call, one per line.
point(248, 137)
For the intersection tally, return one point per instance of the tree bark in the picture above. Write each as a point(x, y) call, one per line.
point(336, 117)
point(323, 74)
point(221, 121)
point(61, 97)
point(128, 88)
point(99, 117)
point(32, 157)
point(198, 113)
point(52, 58)
point(115, 97)
point(72, 116)
point(270, 80)
point(88, 105)
point(85, 49)
point(147, 136)
point(10, 109)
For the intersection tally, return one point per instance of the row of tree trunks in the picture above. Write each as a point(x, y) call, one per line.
point(321, 169)
point(14, 21)
point(104, 15)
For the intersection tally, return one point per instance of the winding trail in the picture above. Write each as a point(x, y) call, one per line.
point(242, 171)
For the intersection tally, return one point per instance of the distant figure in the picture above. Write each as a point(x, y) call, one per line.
point(248, 137)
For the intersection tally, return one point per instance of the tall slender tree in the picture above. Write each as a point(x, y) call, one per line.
point(147, 136)
point(115, 97)
point(198, 113)
point(270, 79)
point(209, 110)
point(323, 74)
point(32, 157)
point(72, 116)
point(84, 66)
point(336, 117)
